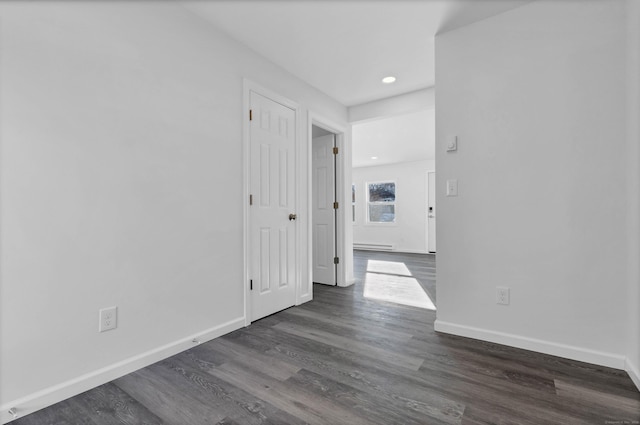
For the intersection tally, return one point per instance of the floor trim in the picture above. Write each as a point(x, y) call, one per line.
point(395, 251)
point(60, 392)
point(561, 350)
point(633, 372)
point(347, 283)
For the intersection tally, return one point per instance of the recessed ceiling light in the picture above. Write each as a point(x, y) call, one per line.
point(374, 157)
point(388, 80)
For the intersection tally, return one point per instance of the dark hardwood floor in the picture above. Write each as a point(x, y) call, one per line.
point(346, 358)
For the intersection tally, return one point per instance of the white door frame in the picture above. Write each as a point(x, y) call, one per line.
point(248, 87)
point(343, 173)
point(431, 196)
point(325, 273)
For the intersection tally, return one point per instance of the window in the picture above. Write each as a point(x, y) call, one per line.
point(353, 202)
point(381, 200)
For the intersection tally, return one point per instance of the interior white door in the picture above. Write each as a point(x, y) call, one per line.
point(324, 227)
point(272, 220)
point(431, 211)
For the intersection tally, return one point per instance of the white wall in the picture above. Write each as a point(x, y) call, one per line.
point(409, 232)
point(633, 179)
point(536, 97)
point(121, 182)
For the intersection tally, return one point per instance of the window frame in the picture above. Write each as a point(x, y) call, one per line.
point(354, 194)
point(394, 203)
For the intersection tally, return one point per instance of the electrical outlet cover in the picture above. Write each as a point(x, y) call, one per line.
point(108, 319)
point(502, 295)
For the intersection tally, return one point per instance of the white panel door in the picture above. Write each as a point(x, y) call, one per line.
point(272, 223)
point(431, 211)
point(324, 229)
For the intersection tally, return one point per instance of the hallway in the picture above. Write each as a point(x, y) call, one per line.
point(346, 358)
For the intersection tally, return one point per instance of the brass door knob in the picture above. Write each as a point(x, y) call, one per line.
point(292, 217)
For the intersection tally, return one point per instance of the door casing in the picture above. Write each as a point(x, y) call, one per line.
point(431, 203)
point(344, 227)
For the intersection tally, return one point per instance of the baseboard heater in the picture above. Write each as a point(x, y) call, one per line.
point(374, 246)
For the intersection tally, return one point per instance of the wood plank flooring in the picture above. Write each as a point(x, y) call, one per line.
point(347, 359)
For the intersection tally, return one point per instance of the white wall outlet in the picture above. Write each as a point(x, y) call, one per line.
point(108, 319)
point(502, 295)
point(452, 187)
point(452, 143)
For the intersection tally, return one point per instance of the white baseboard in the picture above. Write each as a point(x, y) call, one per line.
point(413, 251)
point(633, 371)
point(397, 251)
point(305, 298)
point(347, 283)
point(374, 246)
point(561, 350)
point(62, 391)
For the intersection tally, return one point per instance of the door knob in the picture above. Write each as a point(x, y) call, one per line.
point(292, 217)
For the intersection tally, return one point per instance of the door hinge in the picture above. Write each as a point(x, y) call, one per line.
point(335, 150)
point(250, 199)
point(336, 260)
point(335, 205)
point(250, 115)
point(251, 284)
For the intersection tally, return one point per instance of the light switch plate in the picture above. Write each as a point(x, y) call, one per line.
point(452, 143)
point(452, 187)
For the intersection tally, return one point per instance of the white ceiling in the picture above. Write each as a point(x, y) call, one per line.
point(344, 48)
point(402, 138)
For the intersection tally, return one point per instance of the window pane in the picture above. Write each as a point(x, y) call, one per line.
point(382, 213)
point(382, 192)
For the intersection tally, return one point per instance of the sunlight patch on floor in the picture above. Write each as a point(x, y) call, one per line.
point(396, 289)
point(388, 267)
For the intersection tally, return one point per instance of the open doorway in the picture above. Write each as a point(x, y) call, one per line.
point(394, 198)
point(393, 179)
point(340, 251)
point(324, 206)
